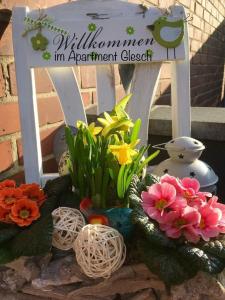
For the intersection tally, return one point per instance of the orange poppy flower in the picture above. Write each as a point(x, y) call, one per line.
point(33, 192)
point(4, 215)
point(9, 196)
point(24, 212)
point(8, 183)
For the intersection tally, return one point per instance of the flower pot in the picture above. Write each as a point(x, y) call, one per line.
point(120, 219)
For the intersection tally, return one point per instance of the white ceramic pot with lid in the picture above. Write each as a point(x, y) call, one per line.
point(183, 162)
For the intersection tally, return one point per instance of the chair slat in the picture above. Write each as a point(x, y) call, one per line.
point(143, 88)
point(105, 88)
point(65, 83)
point(181, 94)
point(27, 103)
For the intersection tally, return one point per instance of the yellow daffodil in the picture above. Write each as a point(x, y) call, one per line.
point(111, 123)
point(124, 152)
point(94, 130)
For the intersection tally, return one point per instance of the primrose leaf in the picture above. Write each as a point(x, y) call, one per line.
point(203, 261)
point(6, 255)
point(150, 229)
point(35, 239)
point(163, 262)
point(215, 247)
point(8, 232)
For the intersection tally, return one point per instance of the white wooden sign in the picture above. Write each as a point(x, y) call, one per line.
point(101, 33)
point(104, 37)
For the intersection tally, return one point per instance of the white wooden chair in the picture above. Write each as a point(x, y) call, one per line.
point(115, 19)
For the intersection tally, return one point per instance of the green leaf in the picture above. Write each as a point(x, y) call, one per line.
point(105, 183)
point(133, 187)
point(134, 200)
point(98, 180)
point(150, 179)
point(150, 229)
point(147, 160)
point(58, 185)
point(203, 261)
point(35, 239)
point(70, 142)
point(49, 205)
point(126, 178)
point(6, 255)
point(69, 199)
point(120, 186)
point(132, 192)
point(163, 263)
point(120, 107)
point(135, 131)
point(137, 159)
point(8, 233)
point(215, 247)
point(115, 126)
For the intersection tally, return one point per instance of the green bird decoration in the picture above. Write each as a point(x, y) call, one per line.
point(168, 34)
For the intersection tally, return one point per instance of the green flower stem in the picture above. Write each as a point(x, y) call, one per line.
point(105, 184)
point(98, 179)
point(92, 183)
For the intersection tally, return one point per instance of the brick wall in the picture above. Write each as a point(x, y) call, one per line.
point(207, 80)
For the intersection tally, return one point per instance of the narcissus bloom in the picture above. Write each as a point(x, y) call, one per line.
point(181, 222)
point(24, 212)
point(94, 130)
point(123, 153)
point(117, 123)
point(9, 196)
point(158, 199)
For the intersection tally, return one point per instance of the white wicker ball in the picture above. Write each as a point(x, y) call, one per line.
point(100, 250)
point(67, 224)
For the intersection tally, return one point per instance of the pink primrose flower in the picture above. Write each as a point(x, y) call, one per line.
point(181, 222)
point(187, 189)
point(174, 181)
point(213, 202)
point(209, 223)
point(191, 192)
point(157, 200)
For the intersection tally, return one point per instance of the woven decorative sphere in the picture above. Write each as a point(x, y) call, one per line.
point(67, 224)
point(100, 250)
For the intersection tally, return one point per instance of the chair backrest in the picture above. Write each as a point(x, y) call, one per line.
point(101, 33)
